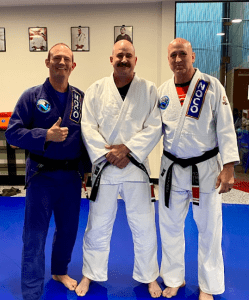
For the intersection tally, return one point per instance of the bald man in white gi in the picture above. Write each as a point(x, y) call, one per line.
point(200, 151)
point(121, 118)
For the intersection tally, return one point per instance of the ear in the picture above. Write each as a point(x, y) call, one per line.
point(73, 65)
point(47, 63)
point(193, 57)
point(135, 60)
point(111, 59)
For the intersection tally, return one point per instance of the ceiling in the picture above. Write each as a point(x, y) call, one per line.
point(74, 2)
point(67, 2)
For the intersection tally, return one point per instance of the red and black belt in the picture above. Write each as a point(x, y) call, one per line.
point(184, 163)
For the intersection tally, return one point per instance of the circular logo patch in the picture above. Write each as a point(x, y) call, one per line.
point(164, 102)
point(43, 105)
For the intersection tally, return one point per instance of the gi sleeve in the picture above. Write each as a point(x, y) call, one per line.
point(226, 135)
point(93, 140)
point(20, 132)
point(142, 143)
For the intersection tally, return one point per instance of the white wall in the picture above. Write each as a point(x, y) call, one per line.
point(22, 69)
point(153, 29)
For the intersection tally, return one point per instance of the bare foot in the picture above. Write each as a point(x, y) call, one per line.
point(204, 296)
point(170, 292)
point(69, 282)
point(154, 289)
point(83, 286)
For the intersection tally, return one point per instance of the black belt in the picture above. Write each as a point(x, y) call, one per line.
point(99, 171)
point(186, 163)
point(48, 164)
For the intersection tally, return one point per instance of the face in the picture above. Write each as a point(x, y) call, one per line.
point(181, 57)
point(61, 62)
point(123, 59)
point(122, 30)
point(79, 31)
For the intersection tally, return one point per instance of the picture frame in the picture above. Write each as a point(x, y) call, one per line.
point(123, 32)
point(2, 40)
point(38, 39)
point(80, 39)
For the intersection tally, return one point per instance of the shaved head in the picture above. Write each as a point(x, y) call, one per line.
point(180, 41)
point(122, 43)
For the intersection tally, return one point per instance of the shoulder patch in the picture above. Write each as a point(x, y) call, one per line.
point(43, 105)
point(163, 102)
point(225, 100)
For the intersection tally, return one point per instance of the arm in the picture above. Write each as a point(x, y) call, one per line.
point(227, 141)
point(23, 134)
point(142, 143)
point(93, 140)
point(226, 136)
point(20, 132)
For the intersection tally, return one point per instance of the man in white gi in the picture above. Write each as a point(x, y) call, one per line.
point(121, 118)
point(80, 40)
point(191, 168)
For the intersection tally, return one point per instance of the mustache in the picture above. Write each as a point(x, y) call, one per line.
point(124, 65)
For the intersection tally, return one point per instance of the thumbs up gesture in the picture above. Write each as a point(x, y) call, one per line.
point(57, 133)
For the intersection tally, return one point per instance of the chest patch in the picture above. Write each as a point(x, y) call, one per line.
point(76, 107)
point(197, 99)
point(164, 102)
point(43, 105)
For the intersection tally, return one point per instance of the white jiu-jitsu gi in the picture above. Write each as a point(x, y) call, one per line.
point(135, 122)
point(201, 124)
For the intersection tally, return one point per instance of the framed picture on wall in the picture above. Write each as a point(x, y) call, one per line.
point(80, 39)
point(2, 40)
point(123, 32)
point(38, 39)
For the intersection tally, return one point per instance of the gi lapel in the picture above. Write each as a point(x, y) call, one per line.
point(51, 95)
point(185, 106)
point(74, 105)
point(123, 106)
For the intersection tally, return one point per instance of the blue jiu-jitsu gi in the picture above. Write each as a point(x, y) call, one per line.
point(53, 179)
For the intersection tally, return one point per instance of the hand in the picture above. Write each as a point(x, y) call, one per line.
point(226, 178)
point(57, 133)
point(86, 175)
point(118, 155)
point(14, 147)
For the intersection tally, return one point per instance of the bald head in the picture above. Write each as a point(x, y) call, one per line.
point(180, 41)
point(123, 44)
point(181, 58)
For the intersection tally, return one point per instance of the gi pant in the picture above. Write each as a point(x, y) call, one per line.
point(141, 218)
point(208, 217)
point(60, 192)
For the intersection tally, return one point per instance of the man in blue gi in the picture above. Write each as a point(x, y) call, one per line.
point(46, 122)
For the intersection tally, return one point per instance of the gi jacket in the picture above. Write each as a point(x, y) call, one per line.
point(36, 111)
point(201, 124)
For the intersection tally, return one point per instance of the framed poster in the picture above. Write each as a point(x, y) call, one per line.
point(123, 33)
point(80, 39)
point(2, 40)
point(38, 39)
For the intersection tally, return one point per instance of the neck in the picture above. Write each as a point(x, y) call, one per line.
point(121, 81)
point(182, 78)
point(59, 85)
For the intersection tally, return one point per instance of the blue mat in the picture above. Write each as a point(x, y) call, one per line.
point(120, 284)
